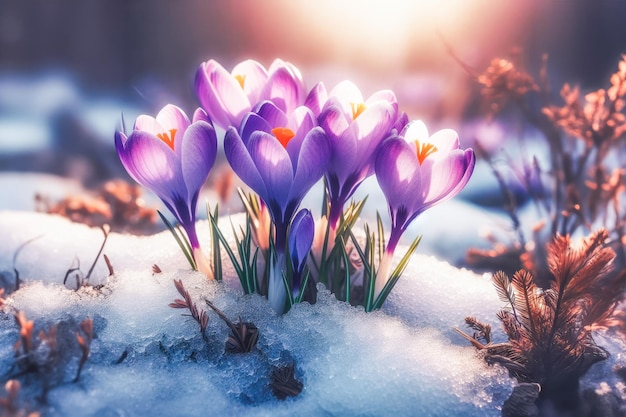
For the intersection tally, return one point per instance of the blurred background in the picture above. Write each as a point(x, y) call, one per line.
point(70, 69)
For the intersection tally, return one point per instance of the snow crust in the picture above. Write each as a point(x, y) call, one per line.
point(403, 360)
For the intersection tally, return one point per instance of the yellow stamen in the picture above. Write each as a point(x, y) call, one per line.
point(357, 109)
point(423, 150)
point(284, 135)
point(241, 79)
point(168, 138)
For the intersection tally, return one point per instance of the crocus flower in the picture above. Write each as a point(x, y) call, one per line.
point(227, 97)
point(300, 240)
point(172, 156)
point(280, 157)
point(355, 128)
point(416, 171)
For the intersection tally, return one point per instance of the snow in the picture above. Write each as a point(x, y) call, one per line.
point(402, 360)
point(150, 359)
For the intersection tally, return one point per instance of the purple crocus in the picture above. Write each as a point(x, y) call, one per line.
point(300, 240)
point(172, 156)
point(280, 156)
point(355, 128)
point(228, 96)
point(416, 171)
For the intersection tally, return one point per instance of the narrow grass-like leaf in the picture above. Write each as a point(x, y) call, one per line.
point(350, 216)
point(229, 251)
point(305, 282)
point(346, 278)
point(254, 275)
point(215, 243)
point(381, 237)
point(396, 274)
point(360, 252)
point(182, 241)
point(372, 260)
point(325, 199)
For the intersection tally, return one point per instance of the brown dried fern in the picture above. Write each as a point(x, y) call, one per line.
point(550, 331)
point(200, 316)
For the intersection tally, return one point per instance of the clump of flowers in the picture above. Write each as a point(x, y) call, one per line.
point(281, 141)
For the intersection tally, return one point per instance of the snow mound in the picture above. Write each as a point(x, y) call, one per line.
point(149, 359)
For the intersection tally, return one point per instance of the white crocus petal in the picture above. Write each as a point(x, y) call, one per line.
point(416, 130)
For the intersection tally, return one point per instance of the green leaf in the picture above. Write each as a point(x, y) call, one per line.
point(182, 241)
point(381, 237)
point(303, 286)
point(215, 243)
point(395, 275)
point(346, 277)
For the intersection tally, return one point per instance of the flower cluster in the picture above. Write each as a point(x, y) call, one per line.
point(281, 141)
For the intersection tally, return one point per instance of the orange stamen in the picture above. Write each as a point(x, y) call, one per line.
point(284, 135)
point(357, 109)
point(168, 138)
point(241, 79)
point(423, 150)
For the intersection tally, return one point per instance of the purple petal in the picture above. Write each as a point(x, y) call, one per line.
point(198, 150)
point(255, 78)
point(445, 140)
point(312, 163)
point(273, 164)
point(333, 121)
point(301, 121)
point(153, 164)
point(221, 95)
point(316, 99)
point(240, 161)
point(400, 123)
point(251, 123)
point(274, 116)
point(383, 95)
point(449, 176)
point(200, 114)
point(279, 63)
point(398, 174)
point(172, 117)
point(301, 238)
point(370, 128)
point(148, 124)
point(285, 89)
point(207, 96)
